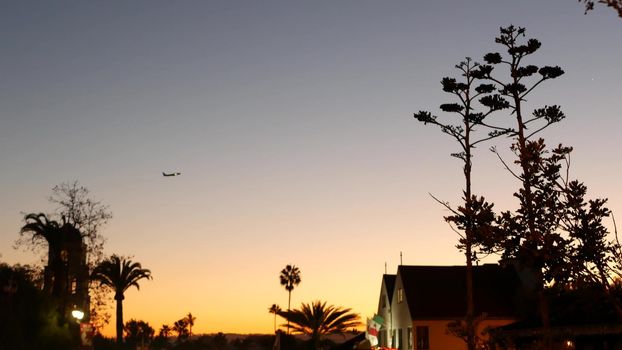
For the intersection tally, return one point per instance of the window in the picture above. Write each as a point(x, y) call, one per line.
point(384, 300)
point(410, 337)
point(400, 295)
point(423, 340)
point(64, 255)
point(400, 339)
point(74, 286)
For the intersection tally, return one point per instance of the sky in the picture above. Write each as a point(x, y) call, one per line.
point(291, 122)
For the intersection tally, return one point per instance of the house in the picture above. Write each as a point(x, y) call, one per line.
point(384, 309)
point(419, 302)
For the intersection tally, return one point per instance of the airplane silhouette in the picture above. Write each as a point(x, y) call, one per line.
point(170, 174)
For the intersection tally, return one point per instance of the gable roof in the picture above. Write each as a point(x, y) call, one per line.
point(389, 284)
point(439, 292)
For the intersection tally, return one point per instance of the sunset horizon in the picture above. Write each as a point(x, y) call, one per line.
point(229, 139)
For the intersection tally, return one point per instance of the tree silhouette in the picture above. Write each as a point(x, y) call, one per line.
point(274, 309)
point(190, 320)
point(289, 277)
point(615, 4)
point(165, 331)
point(531, 227)
point(28, 316)
point(42, 230)
point(74, 206)
point(138, 332)
point(318, 320)
point(120, 273)
point(66, 262)
point(161, 340)
point(556, 233)
point(475, 216)
point(181, 328)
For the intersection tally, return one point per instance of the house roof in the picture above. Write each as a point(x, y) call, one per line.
point(439, 292)
point(389, 283)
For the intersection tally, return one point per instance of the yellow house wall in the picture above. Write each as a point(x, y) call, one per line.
point(441, 340)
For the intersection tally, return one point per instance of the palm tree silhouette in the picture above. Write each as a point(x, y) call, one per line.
point(274, 309)
point(120, 273)
point(317, 320)
point(40, 227)
point(181, 328)
point(290, 277)
point(165, 331)
point(190, 319)
point(65, 261)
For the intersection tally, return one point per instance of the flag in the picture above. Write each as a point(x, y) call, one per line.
point(373, 328)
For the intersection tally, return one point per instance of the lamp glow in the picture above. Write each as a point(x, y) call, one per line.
point(77, 314)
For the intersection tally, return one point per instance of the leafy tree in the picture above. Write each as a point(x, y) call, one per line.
point(274, 309)
point(75, 207)
point(594, 260)
point(530, 236)
point(615, 4)
point(556, 232)
point(290, 277)
point(28, 318)
point(138, 332)
point(74, 204)
point(120, 273)
point(475, 216)
point(318, 320)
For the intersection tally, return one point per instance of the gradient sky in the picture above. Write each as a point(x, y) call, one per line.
point(292, 124)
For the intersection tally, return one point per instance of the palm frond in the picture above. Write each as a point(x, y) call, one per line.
point(120, 273)
point(318, 319)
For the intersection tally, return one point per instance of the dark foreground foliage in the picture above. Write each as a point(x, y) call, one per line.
point(218, 341)
point(29, 317)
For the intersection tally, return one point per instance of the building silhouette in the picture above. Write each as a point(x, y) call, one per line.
point(66, 277)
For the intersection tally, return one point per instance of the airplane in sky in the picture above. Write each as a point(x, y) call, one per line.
point(170, 174)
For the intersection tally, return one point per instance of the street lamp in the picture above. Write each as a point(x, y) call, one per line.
point(77, 314)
